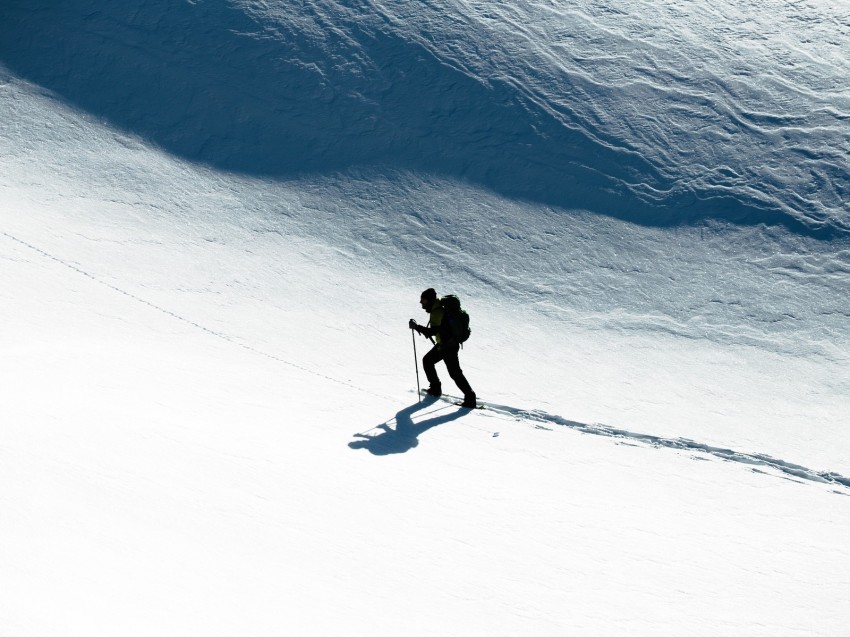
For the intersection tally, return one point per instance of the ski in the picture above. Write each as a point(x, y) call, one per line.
point(460, 403)
point(448, 398)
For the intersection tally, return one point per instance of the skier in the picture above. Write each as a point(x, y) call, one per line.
point(445, 349)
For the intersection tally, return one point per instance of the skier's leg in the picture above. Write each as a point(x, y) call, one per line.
point(450, 356)
point(429, 365)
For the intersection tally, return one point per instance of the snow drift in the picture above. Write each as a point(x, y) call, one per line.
point(734, 111)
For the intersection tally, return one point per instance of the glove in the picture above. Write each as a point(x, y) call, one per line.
point(413, 325)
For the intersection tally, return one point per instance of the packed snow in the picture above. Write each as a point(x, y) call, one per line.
point(216, 220)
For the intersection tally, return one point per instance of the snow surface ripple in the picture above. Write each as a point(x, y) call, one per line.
point(736, 111)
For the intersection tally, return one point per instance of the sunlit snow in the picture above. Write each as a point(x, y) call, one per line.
point(215, 223)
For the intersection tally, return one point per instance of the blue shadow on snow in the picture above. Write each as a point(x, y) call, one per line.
point(405, 436)
point(216, 84)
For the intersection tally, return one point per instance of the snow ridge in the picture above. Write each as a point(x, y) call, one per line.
point(668, 116)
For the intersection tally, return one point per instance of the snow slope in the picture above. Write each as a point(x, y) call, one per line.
point(217, 220)
point(730, 110)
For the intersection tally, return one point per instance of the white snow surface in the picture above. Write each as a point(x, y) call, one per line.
point(217, 218)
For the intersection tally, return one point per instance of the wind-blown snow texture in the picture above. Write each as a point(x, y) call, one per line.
point(215, 222)
point(683, 112)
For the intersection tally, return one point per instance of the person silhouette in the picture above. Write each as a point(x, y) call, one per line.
point(446, 348)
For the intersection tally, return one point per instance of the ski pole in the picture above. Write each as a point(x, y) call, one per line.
point(416, 363)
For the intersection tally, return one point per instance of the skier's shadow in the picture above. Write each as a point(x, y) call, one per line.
point(405, 435)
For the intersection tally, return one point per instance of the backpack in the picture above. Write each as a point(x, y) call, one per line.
point(455, 318)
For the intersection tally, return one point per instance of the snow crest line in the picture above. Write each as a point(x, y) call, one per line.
point(192, 323)
point(544, 419)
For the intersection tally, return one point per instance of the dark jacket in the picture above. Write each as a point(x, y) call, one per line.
point(435, 327)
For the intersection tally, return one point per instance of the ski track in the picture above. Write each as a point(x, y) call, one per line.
point(404, 436)
point(544, 420)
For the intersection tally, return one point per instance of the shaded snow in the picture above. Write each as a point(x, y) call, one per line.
point(217, 220)
point(730, 111)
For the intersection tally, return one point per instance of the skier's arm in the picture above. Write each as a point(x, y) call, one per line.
point(428, 331)
point(434, 320)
